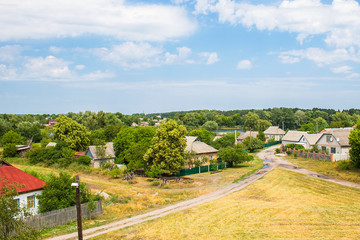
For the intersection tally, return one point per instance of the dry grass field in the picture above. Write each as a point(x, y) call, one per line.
point(131, 198)
point(281, 205)
point(328, 168)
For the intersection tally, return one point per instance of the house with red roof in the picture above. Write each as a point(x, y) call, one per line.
point(27, 186)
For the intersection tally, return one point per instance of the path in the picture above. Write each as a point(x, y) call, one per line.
point(270, 160)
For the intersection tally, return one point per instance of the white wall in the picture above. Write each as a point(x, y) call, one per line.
point(23, 201)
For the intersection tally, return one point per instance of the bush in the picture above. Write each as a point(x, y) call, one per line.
point(154, 171)
point(288, 152)
point(10, 150)
point(83, 160)
point(277, 150)
point(155, 183)
point(345, 165)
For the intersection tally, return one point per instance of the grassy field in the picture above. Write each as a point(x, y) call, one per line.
point(281, 205)
point(128, 199)
point(328, 168)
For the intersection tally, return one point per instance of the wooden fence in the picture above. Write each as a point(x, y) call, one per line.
point(61, 216)
point(314, 155)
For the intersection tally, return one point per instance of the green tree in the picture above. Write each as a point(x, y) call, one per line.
point(30, 130)
point(12, 137)
point(261, 136)
point(11, 215)
point(204, 135)
point(167, 149)
point(4, 127)
point(131, 145)
point(253, 143)
point(72, 133)
point(299, 117)
point(263, 125)
point(354, 140)
point(227, 140)
point(58, 193)
point(210, 125)
point(234, 155)
point(10, 150)
point(251, 121)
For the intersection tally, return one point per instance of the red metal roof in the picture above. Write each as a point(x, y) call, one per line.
point(13, 175)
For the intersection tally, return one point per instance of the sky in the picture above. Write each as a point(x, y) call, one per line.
point(155, 56)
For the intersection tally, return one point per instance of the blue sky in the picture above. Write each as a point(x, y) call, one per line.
point(159, 56)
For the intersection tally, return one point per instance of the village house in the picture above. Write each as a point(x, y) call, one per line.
point(27, 186)
point(246, 134)
point(101, 154)
point(294, 137)
point(200, 149)
point(274, 132)
point(336, 142)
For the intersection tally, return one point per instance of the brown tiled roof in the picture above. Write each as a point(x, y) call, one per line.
point(274, 130)
point(109, 151)
point(341, 135)
point(293, 136)
point(194, 144)
point(246, 134)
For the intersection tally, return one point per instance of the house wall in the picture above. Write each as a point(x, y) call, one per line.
point(304, 143)
point(276, 137)
point(99, 162)
point(324, 143)
point(23, 201)
point(201, 156)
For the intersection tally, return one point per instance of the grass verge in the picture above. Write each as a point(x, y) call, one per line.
point(282, 205)
point(331, 169)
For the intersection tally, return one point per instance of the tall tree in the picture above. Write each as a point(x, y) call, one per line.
point(203, 134)
point(234, 155)
point(354, 140)
point(251, 121)
point(167, 149)
point(72, 133)
point(131, 145)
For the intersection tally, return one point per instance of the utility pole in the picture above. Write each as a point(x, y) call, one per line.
point(78, 208)
point(235, 137)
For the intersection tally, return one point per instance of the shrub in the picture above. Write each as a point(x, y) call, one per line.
point(345, 165)
point(154, 171)
point(277, 150)
point(10, 150)
point(295, 154)
point(288, 152)
point(155, 183)
point(83, 160)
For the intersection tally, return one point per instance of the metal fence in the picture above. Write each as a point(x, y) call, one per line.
point(202, 169)
point(61, 216)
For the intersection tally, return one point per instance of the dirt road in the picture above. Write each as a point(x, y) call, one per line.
point(270, 162)
point(269, 158)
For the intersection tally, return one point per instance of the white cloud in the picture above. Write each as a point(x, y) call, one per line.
point(342, 69)
point(244, 64)
point(80, 67)
point(211, 57)
point(339, 21)
point(181, 57)
point(319, 56)
point(38, 19)
point(132, 55)
point(49, 68)
point(10, 53)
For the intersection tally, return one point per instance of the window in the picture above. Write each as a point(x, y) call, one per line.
point(17, 201)
point(323, 149)
point(202, 159)
point(333, 150)
point(329, 138)
point(197, 158)
point(30, 201)
point(210, 157)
